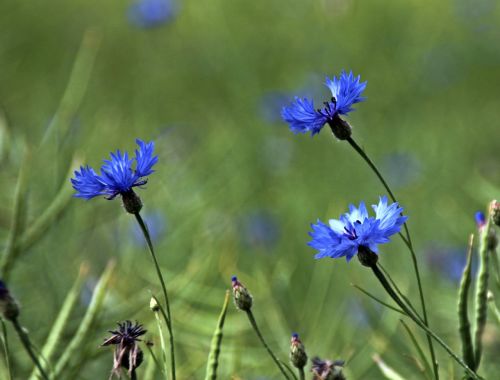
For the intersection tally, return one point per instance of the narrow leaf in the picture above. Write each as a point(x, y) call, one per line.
point(53, 340)
point(463, 317)
point(215, 347)
point(89, 318)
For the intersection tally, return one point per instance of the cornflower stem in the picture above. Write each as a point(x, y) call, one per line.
point(167, 316)
point(133, 375)
point(25, 340)
point(302, 375)
point(407, 240)
point(5, 344)
point(392, 293)
point(259, 334)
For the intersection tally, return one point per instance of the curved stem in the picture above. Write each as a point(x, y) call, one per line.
point(407, 240)
point(387, 286)
point(168, 316)
point(25, 340)
point(257, 331)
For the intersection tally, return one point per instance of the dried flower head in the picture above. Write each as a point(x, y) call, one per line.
point(327, 369)
point(127, 353)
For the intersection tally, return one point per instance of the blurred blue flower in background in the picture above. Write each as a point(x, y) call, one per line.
point(448, 261)
point(117, 175)
point(152, 13)
point(480, 219)
point(260, 230)
point(401, 169)
point(271, 104)
point(277, 154)
point(302, 117)
point(357, 229)
point(157, 226)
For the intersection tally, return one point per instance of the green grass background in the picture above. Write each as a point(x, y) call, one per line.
point(197, 86)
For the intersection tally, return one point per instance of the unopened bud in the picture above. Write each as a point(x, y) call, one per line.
point(489, 296)
point(242, 298)
point(495, 212)
point(298, 355)
point(9, 307)
point(153, 305)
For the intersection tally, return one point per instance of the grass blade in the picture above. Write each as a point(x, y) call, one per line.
point(378, 299)
point(77, 86)
point(463, 318)
point(387, 371)
point(50, 215)
point(61, 320)
point(215, 347)
point(85, 326)
point(428, 368)
point(18, 223)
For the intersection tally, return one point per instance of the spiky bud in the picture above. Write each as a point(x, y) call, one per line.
point(242, 298)
point(9, 308)
point(153, 305)
point(495, 212)
point(298, 355)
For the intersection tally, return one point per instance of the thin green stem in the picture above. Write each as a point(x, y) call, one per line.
point(302, 375)
point(168, 316)
point(378, 300)
point(257, 331)
point(153, 356)
point(407, 241)
point(400, 293)
point(5, 343)
point(25, 340)
point(388, 288)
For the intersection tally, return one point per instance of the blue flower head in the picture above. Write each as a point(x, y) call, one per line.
point(480, 219)
point(152, 13)
point(356, 230)
point(117, 175)
point(303, 117)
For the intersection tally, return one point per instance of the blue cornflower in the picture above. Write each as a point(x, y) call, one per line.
point(302, 117)
point(357, 230)
point(480, 219)
point(152, 13)
point(117, 176)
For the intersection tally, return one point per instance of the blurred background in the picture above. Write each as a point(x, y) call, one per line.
point(234, 190)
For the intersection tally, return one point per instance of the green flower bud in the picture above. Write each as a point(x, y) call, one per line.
point(242, 298)
point(298, 355)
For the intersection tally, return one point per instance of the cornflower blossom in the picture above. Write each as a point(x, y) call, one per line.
point(356, 230)
point(117, 176)
point(152, 13)
point(303, 117)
